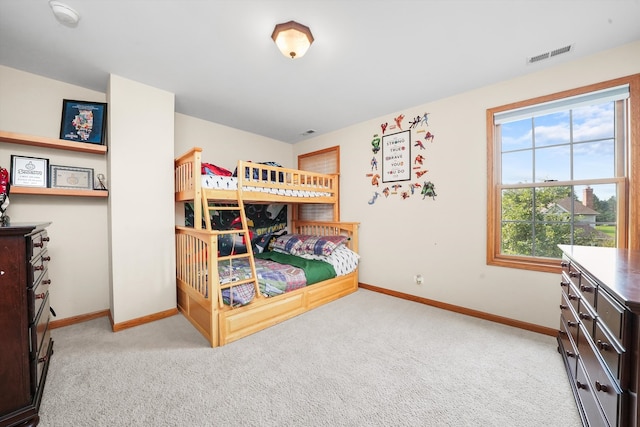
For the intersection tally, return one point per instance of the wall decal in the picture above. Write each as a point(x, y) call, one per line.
point(397, 162)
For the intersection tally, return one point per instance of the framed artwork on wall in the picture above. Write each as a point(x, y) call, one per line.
point(71, 177)
point(29, 171)
point(84, 121)
point(396, 157)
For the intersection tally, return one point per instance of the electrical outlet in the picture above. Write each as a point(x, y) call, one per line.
point(419, 279)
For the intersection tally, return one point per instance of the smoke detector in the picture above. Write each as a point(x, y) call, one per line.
point(66, 15)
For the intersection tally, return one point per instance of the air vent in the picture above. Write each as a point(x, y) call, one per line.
point(307, 133)
point(550, 54)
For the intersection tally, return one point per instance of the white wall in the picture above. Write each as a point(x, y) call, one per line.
point(78, 248)
point(141, 199)
point(444, 240)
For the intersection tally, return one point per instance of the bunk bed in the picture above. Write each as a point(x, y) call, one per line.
point(212, 286)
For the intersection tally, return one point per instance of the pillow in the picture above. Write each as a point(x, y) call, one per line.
point(211, 169)
point(320, 245)
point(343, 260)
point(287, 243)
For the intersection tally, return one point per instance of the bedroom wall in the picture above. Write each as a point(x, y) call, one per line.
point(79, 249)
point(444, 240)
point(141, 132)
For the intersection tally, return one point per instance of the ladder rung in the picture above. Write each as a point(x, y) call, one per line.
point(237, 282)
point(223, 208)
point(235, 256)
point(240, 231)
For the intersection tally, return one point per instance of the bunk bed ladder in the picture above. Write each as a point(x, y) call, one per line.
point(234, 206)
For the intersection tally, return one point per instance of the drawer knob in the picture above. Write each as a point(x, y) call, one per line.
point(40, 296)
point(585, 316)
point(604, 346)
point(573, 297)
point(45, 239)
point(38, 267)
point(602, 387)
point(584, 288)
point(580, 385)
point(46, 258)
point(572, 324)
point(43, 359)
point(38, 245)
point(46, 282)
point(573, 274)
point(564, 264)
point(570, 353)
point(564, 283)
point(563, 307)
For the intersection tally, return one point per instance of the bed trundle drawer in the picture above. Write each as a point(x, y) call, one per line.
point(239, 322)
point(341, 286)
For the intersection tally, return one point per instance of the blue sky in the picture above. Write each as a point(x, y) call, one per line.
point(593, 148)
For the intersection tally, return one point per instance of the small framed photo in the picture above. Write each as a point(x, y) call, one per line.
point(29, 171)
point(83, 121)
point(71, 177)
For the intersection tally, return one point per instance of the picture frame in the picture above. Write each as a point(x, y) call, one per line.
point(396, 157)
point(83, 121)
point(29, 171)
point(71, 177)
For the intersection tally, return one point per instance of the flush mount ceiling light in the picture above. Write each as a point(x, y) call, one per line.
point(64, 14)
point(292, 39)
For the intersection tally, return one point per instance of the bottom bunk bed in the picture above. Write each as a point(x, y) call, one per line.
point(225, 315)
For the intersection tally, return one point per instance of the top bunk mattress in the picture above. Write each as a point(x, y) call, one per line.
point(218, 182)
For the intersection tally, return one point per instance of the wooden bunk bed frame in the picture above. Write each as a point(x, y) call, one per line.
point(200, 300)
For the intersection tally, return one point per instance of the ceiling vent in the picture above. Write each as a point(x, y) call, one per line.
point(307, 133)
point(550, 54)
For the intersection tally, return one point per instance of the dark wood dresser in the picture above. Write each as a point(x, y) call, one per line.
point(598, 338)
point(25, 341)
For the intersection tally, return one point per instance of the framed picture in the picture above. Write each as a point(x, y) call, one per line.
point(71, 177)
point(29, 171)
point(396, 157)
point(83, 121)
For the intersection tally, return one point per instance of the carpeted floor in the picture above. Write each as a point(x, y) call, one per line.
point(365, 360)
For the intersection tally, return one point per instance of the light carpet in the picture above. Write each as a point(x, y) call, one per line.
point(367, 359)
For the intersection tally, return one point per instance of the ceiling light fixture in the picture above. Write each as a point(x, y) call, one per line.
point(292, 39)
point(64, 14)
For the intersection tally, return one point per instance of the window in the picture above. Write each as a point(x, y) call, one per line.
point(322, 161)
point(562, 171)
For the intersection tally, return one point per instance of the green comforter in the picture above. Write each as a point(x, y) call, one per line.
point(315, 271)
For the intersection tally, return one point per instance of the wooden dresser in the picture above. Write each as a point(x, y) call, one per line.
point(25, 342)
point(598, 338)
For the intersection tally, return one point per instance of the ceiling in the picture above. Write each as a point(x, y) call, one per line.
point(370, 58)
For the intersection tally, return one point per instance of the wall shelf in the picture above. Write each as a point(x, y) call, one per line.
point(57, 192)
point(59, 144)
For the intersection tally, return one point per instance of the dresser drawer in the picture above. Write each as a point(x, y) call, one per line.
point(588, 289)
point(569, 318)
point(568, 350)
point(38, 243)
point(39, 265)
point(609, 350)
point(38, 329)
point(587, 317)
point(38, 364)
point(604, 388)
point(37, 294)
point(588, 401)
point(611, 314)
